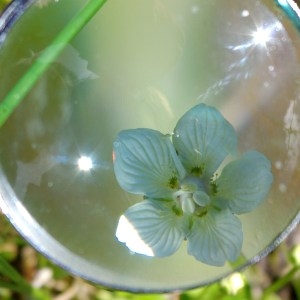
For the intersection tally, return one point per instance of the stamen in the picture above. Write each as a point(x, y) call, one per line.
point(198, 170)
point(188, 205)
point(200, 211)
point(173, 182)
point(214, 187)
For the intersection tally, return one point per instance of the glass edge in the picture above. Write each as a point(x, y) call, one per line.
point(291, 10)
point(12, 12)
point(10, 15)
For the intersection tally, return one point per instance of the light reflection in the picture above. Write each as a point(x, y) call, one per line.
point(282, 187)
point(195, 9)
point(292, 134)
point(245, 13)
point(253, 41)
point(271, 68)
point(261, 36)
point(278, 165)
point(85, 163)
point(234, 283)
point(126, 233)
point(296, 255)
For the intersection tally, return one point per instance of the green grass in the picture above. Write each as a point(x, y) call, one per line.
point(275, 277)
point(27, 81)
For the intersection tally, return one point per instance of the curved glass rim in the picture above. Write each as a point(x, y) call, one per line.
point(12, 12)
point(291, 9)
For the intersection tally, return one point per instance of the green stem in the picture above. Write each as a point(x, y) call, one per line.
point(24, 85)
point(18, 284)
point(15, 288)
point(7, 270)
point(280, 283)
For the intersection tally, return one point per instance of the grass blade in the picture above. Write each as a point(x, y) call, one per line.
point(26, 82)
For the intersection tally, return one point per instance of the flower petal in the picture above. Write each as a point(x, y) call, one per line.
point(203, 138)
point(216, 237)
point(145, 162)
point(244, 183)
point(152, 228)
point(201, 198)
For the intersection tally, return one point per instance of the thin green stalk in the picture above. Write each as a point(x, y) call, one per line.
point(15, 288)
point(280, 283)
point(18, 284)
point(26, 82)
point(7, 270)
point(12, 280)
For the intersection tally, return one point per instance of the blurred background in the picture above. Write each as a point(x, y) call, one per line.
point(25, 274)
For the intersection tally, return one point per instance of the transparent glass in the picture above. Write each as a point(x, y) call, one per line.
point(143, 63)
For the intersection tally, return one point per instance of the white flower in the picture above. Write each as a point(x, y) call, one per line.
point(184, 198)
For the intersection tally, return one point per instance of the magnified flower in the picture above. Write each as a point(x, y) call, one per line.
point(184, 197)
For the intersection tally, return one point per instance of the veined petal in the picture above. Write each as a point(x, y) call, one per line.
point(216, 237)
point(145, 162)
point(152, 228)
point(203, 138)
point(245, 183)
point(201, 198)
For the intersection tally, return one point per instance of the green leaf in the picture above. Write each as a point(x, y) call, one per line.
point(24, 85)
point(7, 270)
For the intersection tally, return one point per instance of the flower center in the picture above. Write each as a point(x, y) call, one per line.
point(192, 195)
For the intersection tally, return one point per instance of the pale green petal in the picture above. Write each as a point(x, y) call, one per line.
point(187, 205)
point(245, 183)
point(152, 228)
point(201, 198)
point(216, 238)
point(145, 162)
point(203, 138)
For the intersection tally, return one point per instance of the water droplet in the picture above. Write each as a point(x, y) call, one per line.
point(271, 68)
point(176, 134)
point(282, 187)
point(50, 184)
point(245, 13)
point(278, 165)
point(195, 9)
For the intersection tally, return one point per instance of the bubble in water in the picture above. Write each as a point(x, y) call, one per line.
point(195, 9)
point(282, 187)
point(278, 165)
point(50, 184)
point(245, 13)
point(271, 68)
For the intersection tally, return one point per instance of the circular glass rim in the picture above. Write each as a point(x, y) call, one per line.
point(10, 15)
